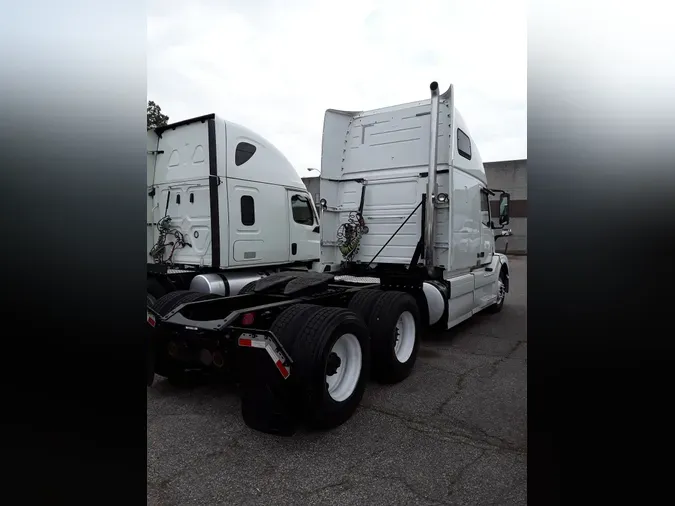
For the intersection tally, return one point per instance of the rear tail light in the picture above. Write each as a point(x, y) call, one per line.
point(248, 319)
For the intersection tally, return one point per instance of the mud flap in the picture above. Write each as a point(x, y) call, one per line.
point(267, 399)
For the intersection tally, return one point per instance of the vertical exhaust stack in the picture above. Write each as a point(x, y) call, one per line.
point(429, 228)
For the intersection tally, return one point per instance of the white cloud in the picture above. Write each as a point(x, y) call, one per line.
point(275, 66)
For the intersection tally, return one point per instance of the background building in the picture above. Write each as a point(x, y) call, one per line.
point(510, 176)
point(312, 184)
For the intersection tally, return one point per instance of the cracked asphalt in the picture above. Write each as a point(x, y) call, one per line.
point(453, 433)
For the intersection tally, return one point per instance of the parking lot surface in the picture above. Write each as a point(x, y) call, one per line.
point(454, 432)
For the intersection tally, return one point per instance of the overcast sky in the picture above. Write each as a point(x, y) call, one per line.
point(275, 66)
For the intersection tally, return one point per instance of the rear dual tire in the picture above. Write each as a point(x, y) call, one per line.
point(331, 360)
point(395, 328)
point(333, 351)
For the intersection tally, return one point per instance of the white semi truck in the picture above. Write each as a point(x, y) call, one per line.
point(224, 208)
point(407, 242)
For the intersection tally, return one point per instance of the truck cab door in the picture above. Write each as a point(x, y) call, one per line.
point(487, 239)
point(304, 227)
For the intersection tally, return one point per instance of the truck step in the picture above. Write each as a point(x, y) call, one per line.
point(179, 271)
point(361, 280)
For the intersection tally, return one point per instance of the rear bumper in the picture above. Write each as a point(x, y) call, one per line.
point(254, 357)
point(192, 341)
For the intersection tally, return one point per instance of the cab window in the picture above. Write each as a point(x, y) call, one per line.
point(302, 210)
point(485, 208)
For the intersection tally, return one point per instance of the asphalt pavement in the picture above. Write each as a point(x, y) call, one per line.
point(454, 432)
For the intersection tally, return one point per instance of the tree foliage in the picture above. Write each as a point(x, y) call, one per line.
point(155, 116)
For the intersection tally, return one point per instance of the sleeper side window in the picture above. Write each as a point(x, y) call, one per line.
point(243, 153)
point(247, 211)
point(463, 144)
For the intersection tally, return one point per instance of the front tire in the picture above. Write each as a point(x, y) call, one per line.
point(501, 295)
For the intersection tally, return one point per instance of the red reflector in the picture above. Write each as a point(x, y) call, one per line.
point(244, 342)
point(151, 321)
point(247, 319)
point(282, 369)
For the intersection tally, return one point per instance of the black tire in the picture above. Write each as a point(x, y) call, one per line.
point(363, 301)
point(497, 306)
point(387, 368)
point(270, 404)
point(309, 338)
point(171, 300)
point(248, 288)
point(288, 323)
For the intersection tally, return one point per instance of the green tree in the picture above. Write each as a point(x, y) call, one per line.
point(155, 116)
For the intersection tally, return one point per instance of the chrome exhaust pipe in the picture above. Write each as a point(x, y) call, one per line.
point(429, 228)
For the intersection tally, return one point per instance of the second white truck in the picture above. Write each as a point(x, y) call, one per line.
point(407, 242)
point(225, 207)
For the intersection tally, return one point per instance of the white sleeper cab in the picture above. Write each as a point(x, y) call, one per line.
point(386, 203)
point(224, 208)
point(406, 242)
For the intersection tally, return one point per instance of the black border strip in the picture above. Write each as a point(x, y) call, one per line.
point(442, 171)
point(214, 182)
point(184, 122)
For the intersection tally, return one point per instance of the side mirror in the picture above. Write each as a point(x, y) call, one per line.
point(317, 229)
point(504, 201)
point(323, 203)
